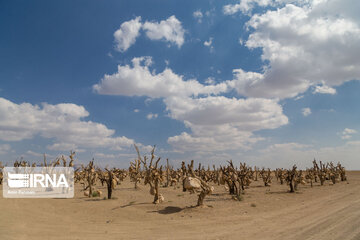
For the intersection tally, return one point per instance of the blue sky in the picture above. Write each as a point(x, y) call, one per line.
point(271, 82)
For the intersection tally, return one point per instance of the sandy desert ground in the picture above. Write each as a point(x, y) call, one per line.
point(322, 212)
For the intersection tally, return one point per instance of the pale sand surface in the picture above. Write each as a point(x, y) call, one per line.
point(322, 212)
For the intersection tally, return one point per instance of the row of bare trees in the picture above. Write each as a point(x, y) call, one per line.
point(148, 170)
point(320, 172)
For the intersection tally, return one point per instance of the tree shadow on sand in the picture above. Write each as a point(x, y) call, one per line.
point(169, 210)
point(283, 192)
point(172, 209)
point(132, 203)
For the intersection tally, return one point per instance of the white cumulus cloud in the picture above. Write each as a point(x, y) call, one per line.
point(245, 6)
point(306, 111)
point(198, 15)
point(169, 30)
point(151, 116)
point(347, 133)
point(138, 80)
point(126, 35)
point(216, 122)
point(303, 45)
point(61, 122)
point(324, 90)
point(208, 43)
point(219, 123)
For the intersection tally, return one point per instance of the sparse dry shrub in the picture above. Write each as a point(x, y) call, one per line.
point(280, 175)
point(294, 178)
point(342, 172)
point(89, 178)
point(229, 179)
point(192, 182)
point(239, 179)
point(290, 176)
point(135, 170)
point(320, 172)
point(154, 175)
point(256, 173)
point(266, 176)
point(333, 173)
point(310, 176)
point(110, 179)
